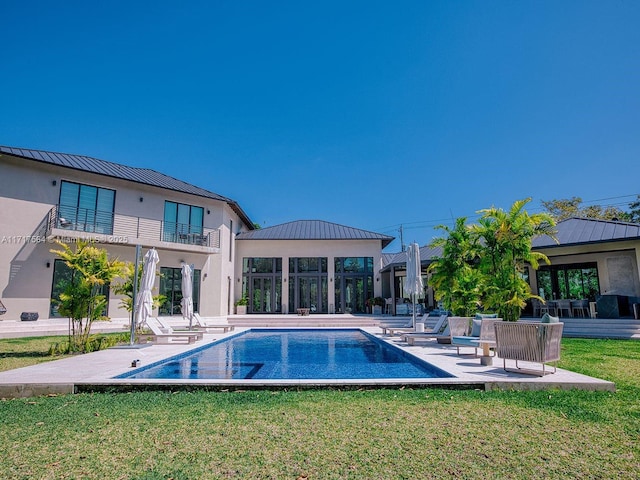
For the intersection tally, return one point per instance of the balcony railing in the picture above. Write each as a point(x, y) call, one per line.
point(125, 228)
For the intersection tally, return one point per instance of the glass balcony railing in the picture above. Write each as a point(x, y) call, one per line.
point(126, 229)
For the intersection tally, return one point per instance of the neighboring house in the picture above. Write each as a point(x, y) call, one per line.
point(47, 196)
point(322, 266)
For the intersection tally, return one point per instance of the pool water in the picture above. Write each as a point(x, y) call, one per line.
point(292, 354)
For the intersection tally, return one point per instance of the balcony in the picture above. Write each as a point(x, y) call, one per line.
point(114, 228)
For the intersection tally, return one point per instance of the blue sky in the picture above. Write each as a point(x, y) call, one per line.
point(370, 114)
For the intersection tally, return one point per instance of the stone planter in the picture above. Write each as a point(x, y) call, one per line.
point(241, 309)
point(377, 310)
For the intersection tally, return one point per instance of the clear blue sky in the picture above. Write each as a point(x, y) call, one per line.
point(365, 113)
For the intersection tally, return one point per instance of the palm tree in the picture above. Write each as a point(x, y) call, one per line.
point(454, 276)
point(505, 243)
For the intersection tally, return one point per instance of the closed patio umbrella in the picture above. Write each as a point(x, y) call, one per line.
point(187, 293)
point(413, 284)
point(144, 302)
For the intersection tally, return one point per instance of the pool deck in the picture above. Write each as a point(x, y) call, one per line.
point(95, 371)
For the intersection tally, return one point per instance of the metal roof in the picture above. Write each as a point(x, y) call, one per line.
point(575, 231)
point(144, 176)
point(313, 230)
point(427, 254)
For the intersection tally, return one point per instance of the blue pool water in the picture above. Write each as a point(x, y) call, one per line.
point(292, 354)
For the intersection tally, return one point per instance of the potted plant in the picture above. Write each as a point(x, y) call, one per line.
point(241, 306)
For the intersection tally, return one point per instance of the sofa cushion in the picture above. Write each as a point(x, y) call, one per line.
point(546, 318)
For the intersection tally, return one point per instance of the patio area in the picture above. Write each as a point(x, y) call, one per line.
point(95, 371)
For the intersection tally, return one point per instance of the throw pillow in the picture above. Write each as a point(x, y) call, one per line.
point(475, 328)
point(546, 318)
point(486, 315)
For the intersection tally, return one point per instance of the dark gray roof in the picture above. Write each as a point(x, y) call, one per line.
point(574, 231)
point(144, 176)
point(400, 259)
point(313, 230)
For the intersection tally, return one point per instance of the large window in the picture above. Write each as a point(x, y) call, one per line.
point(171, 288)
point(86, 208)
point(353, 284)
point(262, 284)
point(183, 223)
point(308, 287)
point(575, 281)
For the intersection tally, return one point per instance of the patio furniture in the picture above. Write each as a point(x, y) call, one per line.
point(162, 338)
point(207, 325)
point(388, 305)
point(438, 330)
point(550, 307)
point(166, 328)
point(536, 306)
point(400, 325)
point(3, 309)
point(528, 342)
point(482, 334)
point(564, 305)
point(580, 308)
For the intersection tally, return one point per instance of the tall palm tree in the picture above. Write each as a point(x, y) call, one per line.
point(505, 241)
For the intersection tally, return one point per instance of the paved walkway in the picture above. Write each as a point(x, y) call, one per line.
point(96, 370)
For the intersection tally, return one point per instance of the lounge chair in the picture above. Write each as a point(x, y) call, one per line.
point(211, 325)
point(439, 329)
point(391, 327)
point(528, 342)
point(166, 328)
point(160, 337)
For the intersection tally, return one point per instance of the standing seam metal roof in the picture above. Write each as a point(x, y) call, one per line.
point(313, 230)
point(115, 170)
point(573, 231)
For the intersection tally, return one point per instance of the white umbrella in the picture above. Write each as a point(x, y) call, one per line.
point(414, 284)
point(187, 293)
point(144, 302)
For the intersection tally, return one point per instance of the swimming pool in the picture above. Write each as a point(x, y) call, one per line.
point(292, 354)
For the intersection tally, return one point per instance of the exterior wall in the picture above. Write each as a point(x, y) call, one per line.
point(618, 265)
point(287, 249)
point(28, 194)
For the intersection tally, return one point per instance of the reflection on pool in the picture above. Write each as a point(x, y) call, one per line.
point(292, 354)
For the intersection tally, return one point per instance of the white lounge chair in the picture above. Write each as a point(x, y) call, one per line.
point(439, 329)
point(166, 328)
point(211, 325)
point(160, 337)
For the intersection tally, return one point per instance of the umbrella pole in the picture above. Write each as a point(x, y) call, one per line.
point(134, 295)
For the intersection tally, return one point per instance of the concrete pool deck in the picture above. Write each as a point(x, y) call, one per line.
point(95, 371)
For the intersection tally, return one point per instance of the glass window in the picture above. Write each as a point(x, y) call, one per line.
point(171, 288)
point(182, 223)
point(577, 281)
point(86, 208)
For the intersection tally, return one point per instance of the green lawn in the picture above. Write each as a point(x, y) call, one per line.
point(369, 434)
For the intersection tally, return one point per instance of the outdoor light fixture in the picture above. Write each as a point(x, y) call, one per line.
point(208, 211)
point(141, 199)
point(54, 183)
point(48, 264)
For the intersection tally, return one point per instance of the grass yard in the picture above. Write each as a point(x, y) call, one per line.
point(369, 434)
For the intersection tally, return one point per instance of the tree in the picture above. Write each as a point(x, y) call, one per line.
point(454, 276)
point(562, 209)
point(504, 240)
point(634, 211)
point(81, 299)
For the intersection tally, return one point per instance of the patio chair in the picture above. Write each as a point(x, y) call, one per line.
point(390, 327)
point(438, 330)
point(482, 332)
point(209, 325)
point(528, 342)
point(3, 309)
point(163, 338)
point(564, 306)
point(580, 308)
